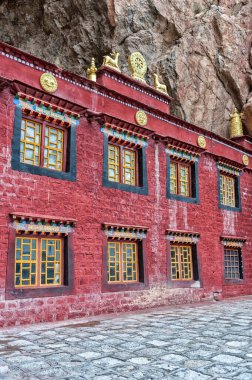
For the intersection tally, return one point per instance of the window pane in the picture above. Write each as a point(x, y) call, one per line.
point(227, 190)
point(51, 261)
point(113, 163)
point(175, 263)
point(186, 263)
point(30, 142)
point(129, 261)
point(232, 264)
point(184, 180)
point(173, 178)
point(25, 261)
point(129, 167)
point(181, 262)
point(53, 149)
point(113, 262)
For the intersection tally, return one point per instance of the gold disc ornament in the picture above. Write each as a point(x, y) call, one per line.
point(201, 142)
point(141, 118)
point(48, 82)
point(138, 66)
point(245, 159)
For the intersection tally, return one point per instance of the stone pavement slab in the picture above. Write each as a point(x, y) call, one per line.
point(193, 342)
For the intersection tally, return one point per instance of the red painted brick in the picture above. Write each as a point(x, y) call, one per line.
point(92, 204)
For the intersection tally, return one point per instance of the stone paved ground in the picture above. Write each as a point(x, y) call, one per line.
point(194, 342)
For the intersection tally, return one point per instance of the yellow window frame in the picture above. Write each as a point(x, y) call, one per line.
point(122, 164)
point(34, 258)
point(52, 149)
point(30, 143)
point(227, 190)
point(181, 263)
point(180, 178)
point(121, 260)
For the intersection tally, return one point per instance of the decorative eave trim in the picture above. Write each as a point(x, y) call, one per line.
point(183, 153)
point(225, 167)
point(33, 92)
point(134, 128)
point(41, 224)
point(233, 241)
point(124, 136)
point(38, 64)
point(44, 110)
point(118, 231)
point(180, 236)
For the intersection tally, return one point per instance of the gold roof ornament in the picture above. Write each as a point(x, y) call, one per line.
point(91, 71)
point(48, 82)
point(141, 118)
point(159, 86)
point(111, 61)
point(236, 129)
point(138, 66)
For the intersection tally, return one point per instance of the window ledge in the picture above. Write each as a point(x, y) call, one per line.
point(230, 208)
point(124, 187)
point(183, 198)
point(37, 292)
point(184, 284)
point(22, 167)
point(238, 281)
point(123, 287)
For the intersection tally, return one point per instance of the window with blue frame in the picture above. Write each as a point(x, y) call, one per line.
point(182, 175)
point(124, 164)
point(229, 187)
point(44, 139)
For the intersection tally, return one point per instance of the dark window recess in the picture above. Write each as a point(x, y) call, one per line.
point(140, 262)
point(195, 263)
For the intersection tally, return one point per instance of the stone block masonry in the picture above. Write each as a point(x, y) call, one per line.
point(85, 200)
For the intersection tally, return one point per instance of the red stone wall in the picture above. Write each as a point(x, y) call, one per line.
point(92, 204)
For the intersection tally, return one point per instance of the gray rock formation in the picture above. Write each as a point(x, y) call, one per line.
point(200, 48)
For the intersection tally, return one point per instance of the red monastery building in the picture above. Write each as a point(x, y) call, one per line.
point(108, 202)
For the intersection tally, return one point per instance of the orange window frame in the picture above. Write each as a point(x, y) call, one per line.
point(39, 262)
point(179, 263)
point(178, 165)
point(42, 145)
point(225, 190)
point(121, 281)
point(121, 166)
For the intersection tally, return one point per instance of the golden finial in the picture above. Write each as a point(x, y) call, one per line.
point(236, 129)
point(111, 61)
point(159, 86)
point(91, 71)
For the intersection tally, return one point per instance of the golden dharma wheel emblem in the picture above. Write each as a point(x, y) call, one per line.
point(201, 142)
point(141, 118)
point(245, 159)
point(138, 66)
point(48, 82)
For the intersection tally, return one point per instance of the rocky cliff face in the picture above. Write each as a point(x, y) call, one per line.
point(201, 48)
